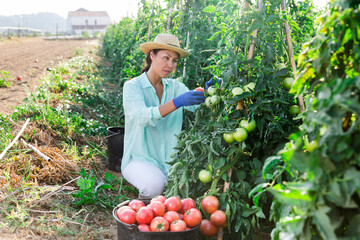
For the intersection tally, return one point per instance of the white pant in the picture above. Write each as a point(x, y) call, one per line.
point(147, 178)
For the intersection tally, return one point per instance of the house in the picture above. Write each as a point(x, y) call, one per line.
point(82, 22)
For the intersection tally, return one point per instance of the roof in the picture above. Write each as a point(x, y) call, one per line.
point(82, 12)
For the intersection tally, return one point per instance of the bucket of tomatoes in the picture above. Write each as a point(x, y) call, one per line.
point(158, 218)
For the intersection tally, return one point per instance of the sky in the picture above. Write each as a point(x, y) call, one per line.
point(115, 8)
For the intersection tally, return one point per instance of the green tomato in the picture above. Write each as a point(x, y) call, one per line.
point(208, 101)
point(294, 110)
point(249, 126)
point(205, 176)
point(249, 86)
point(240, 134)
point(237, 91)
point(280, 66)
point(215, 100)
point(228, 137)
point(211, 90)
point(310, 146)
point(288, 82)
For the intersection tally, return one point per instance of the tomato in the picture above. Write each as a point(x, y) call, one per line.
point(121, 209)
point(178, 226)
point(208, 101)
point(159, 224)
point(199, 89)
point(36, 60)
point(218, 218)
point(228, 137)
point(144, 215)
point(280, 66)
point(237, 91)
point(157, 207)
point(210, 204)
point(240, 134)
point(187, 203)
point(207, 228)
point(205, 176)
point(160, 198)
point(173, 204)
point(249, 126)
point(249, 87)
point(288, 82)
point(144, 228)
point(136, 204)
point(171, 216)
point(192, 217)
point(310, 146)
point(215, 100)
point(19, 77)
point(127, 216)
point(211, 90)
point(294, 110)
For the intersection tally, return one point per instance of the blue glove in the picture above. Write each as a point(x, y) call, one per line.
point(189, 98)
point(212, 82)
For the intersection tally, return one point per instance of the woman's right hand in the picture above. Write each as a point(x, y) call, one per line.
point(189, 98)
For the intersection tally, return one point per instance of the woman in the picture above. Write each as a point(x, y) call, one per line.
point(153, 105)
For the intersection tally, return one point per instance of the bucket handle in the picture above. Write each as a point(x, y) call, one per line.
point(123, 203)
point(113, 134)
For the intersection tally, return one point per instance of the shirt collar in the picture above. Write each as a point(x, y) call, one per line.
point(145, 82)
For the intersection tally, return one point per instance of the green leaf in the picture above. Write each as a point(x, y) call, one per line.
point(269, 163)
point(209, 9)
point(323, 224)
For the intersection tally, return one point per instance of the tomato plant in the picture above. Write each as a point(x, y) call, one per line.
point(315, 178)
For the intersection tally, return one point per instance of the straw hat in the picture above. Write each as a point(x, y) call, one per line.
point(164, 41)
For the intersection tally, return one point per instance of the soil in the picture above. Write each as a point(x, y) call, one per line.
point(30, 58)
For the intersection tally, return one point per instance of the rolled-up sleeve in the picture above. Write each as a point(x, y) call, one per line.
point(135, 107)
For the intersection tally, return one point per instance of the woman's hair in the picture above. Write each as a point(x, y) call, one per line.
point(147, 63)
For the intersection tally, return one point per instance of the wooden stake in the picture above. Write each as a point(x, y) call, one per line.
point(254, 34)
point(150, 29)
point(15, 139)
point(170, 13)
point(291, 54)
point(220, 233)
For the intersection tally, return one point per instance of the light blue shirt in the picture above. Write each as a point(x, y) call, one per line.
point(149, 137)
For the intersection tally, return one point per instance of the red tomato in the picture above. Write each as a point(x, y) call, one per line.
point(121, 209)
point(144, 215)
point(127, 216)
point(192, 217)
point(178, 226)
point(19, 77)
point(210, 204)
point(187, 203)
point(158, 208)
point(136, 204)
point(218, 218)
point(199, 89)
point(144, 228)
point(207, 228)
point(159, 224)
point(160, 198)
point(171, 216)
point(173, 204)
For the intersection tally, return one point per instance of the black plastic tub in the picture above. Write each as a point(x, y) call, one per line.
point(131, 232)
point(115, 143)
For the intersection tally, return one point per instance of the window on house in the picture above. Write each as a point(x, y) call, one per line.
point(86, 22)
point(95, 22)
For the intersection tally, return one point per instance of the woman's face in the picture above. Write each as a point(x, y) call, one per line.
point(164, 62)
